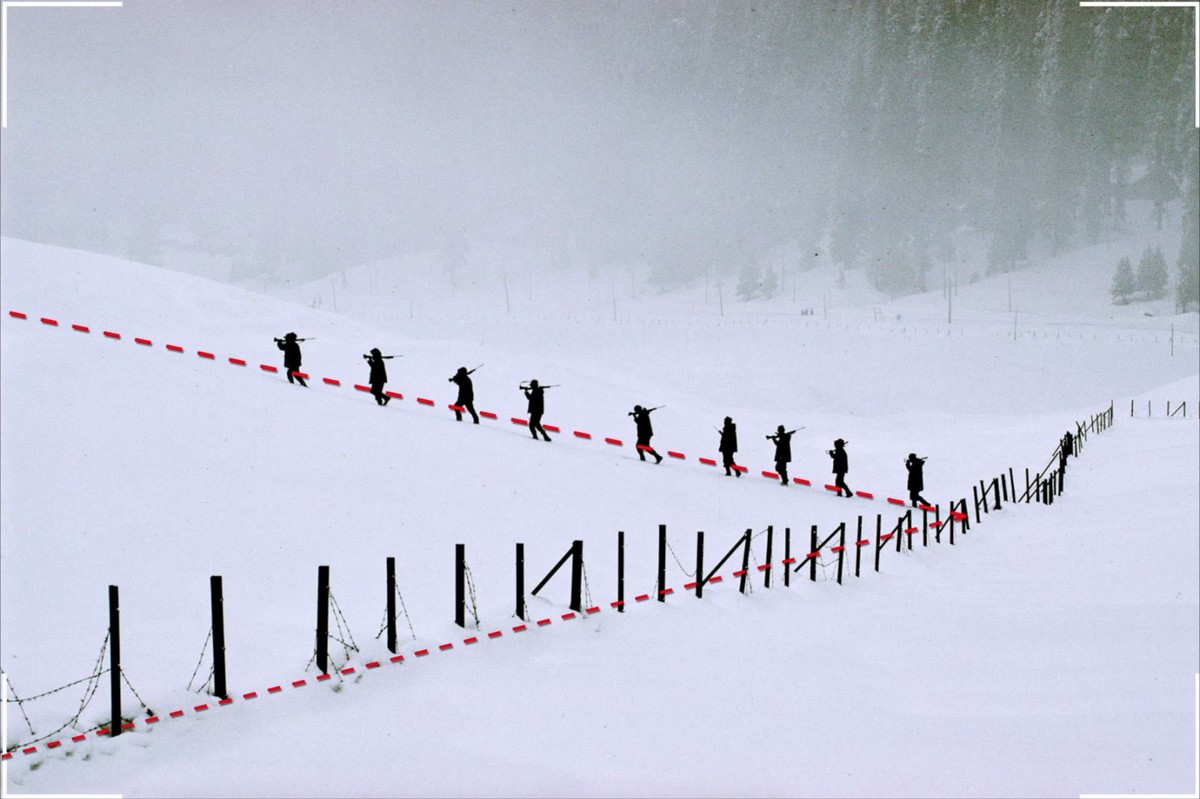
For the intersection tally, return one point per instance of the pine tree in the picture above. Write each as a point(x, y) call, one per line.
point(770, 283)
point(747, 286)
point(1123, 284)
point(1152, 273)
point(1187, 290)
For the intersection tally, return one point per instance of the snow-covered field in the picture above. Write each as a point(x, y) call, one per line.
point(1051, 652)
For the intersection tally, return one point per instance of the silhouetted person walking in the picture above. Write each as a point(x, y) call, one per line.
point(729, 446)
point(916, 479)
point(644, 431)
point(378, 377)
point(466, 393)
point(783, 451)
point(537, 406)
point(290, 346)
point(841, 465)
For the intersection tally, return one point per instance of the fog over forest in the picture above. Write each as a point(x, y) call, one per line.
point(294, 139)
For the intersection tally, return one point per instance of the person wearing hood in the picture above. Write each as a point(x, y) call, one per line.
point(729, 446)
point(916, 479)
point(783, 451)
point(536, 394)
point(290, 345)
point(378, 378)
point(466, 393)
point(641, 416)
point(841, 465)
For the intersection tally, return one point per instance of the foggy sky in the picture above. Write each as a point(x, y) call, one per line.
point(338, 131)
point(373, 125)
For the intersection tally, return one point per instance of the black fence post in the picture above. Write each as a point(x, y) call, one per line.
point(699, 564)
point(983, 494)
point(577, 576)
point(1004, 485)
point(745, 562)
point(521, 582)
point(1027, 491)
point(460, 584)
point(996, 488)
point(621, 571)
point(857, 548)
point(787, 557)
point(323, 619)
point(218, 628)
point(767, 578)
point(662, 562)
point(114, 664)
point(391, 604)
point(812, 556)
point(841, 551)
point(975, 496)
point(878, 532)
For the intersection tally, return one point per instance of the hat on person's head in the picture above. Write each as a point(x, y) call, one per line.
point(290, 335)
point(839, 443)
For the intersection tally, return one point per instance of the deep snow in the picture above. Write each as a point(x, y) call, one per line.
point(1051, 651)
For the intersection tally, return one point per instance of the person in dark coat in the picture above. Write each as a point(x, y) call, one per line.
point(466, 393)
point(644, 431)
point(729, 446)
point(916, 479)
point(536, 395)
point(378, 377)
point(290, 346)
point(783, 451)
point(1069, 443)
point(841, 465)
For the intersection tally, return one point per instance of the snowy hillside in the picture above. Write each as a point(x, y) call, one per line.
point(1050, 651)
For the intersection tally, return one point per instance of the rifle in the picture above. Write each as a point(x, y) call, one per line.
point(524, 387)
point(385, 357)
point(281, 340)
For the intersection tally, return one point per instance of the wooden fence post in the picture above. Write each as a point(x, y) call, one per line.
point(323, 619)
point(577, 576)
point(621, 571)
point(767, 571)
point(521, 582)
point(460, 584)
point(218, 627)
point(812, 559)
point(662, 562)
point(699, 564)
point(114, 663)
point(787, 556)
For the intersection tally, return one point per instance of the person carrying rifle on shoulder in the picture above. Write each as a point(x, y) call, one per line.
point(783, 451)
point(378, 377)
point(841, 465)
point(290, 346)
point(916, 478)
point(466, 393)
point(536, 394)
point(644, 431)
point(729, 446)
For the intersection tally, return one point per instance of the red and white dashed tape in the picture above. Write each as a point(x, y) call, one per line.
point(423, 653)
point(426, 401)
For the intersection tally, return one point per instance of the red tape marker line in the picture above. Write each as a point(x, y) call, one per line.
point(581, 434)
point(177, 348)
point(737, 468)
point(936, 524)
point(145, 342)
point(487, 414)
point(274, 689)
point(324, 677)
point(831, 488)
point(110, 334)
point(54, 744)
point(591, 610)
point(928, 508)
point(266, 367)
point(862, 543)
point(912, 530)
point(895, 501)
point(739, 572)
point(444, 647)
point(789, 561)
point(672, 454)
point(495, 634)
point(568, 616)
point(394, 394)
point(176, 714)
point(689, 586)
point(886, 537)
point(200, 708)
point(225, 702)
point(666, 592)
point(421, 653)
point(641, 597)
point(471, 640)
point(708, 461)
point(237, 361)
point(515, 420)
point(543, 622)
point(204, 354)
point(299, 683)
point(836, 549)
point(301, 375)
point(361, 387)
point(772, 475)
point(250, 695)
point(396, 659)
point(81, 328)
point(425, 401)
point(520, 628)
point(553, 428)
point(348, 670)
point(801, 481)
point(613, 441)
point(764, 567)
point(51, 322)
point(620, 603)
point(17, 315)
point(864, 494)
point(957, 516)
point(816, 555)
point(6, 755)
point(329, 381)
point(716, 579)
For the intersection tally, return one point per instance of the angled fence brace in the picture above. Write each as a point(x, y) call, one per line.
point(743, 541)
point(815, 551)
point(576, 554)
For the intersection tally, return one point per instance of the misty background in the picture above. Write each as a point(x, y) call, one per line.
point(290, 140)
